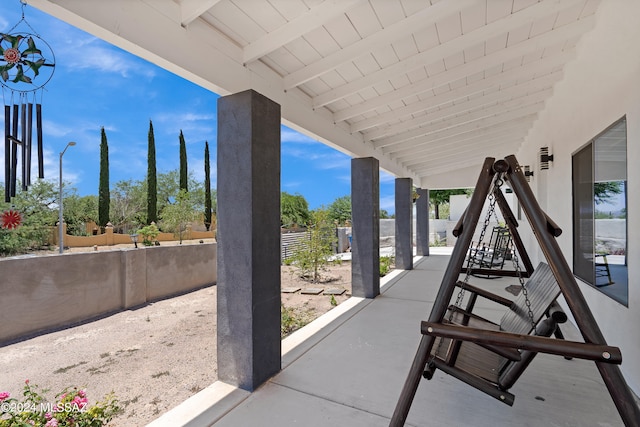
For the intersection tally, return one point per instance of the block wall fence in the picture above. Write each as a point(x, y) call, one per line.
point(109, 238)
point(49, 292)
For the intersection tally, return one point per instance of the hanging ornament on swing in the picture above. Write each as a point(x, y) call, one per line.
point(27, 64)
point(10, 219)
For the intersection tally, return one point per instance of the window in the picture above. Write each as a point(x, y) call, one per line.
point(599, 172)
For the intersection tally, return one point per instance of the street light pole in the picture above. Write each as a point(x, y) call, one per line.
point(60, 228)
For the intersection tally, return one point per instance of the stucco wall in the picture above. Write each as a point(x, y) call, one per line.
point(600, 86)
point(387, 227)
point(175, 269)
point(42, 293)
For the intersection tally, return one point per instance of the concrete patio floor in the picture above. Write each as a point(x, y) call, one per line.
point(348, 367)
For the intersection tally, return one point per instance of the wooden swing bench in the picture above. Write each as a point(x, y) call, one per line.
point(493, 255)
point(491, 357)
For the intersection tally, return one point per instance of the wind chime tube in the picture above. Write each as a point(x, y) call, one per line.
point(39, 139)
point(14, 150)
point(7, 153)
point(28, 140)
point(23, 134)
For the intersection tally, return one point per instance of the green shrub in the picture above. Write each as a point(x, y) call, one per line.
point(333, 301)
point(149, 234)
point(386, 263)
point(291, 320)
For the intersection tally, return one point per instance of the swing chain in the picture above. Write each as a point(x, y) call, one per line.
point(525, 291)
point(497, 183)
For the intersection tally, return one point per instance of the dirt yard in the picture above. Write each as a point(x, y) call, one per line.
point(153, 357)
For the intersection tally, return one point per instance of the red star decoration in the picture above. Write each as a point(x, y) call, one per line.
point(11, 219)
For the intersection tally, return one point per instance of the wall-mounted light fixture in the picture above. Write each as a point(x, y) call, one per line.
point(545, 158)
point(528, 173)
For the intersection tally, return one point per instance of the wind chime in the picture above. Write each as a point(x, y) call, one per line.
point(27, 64)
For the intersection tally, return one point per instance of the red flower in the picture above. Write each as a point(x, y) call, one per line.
point(12, 55)
point(11, 219)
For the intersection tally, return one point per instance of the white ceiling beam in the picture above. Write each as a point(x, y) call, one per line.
point(477, 151)
point(495, 110)
point(421, 19)
point(424, 144)
point(467, 127)
point(469, 158)
point(524, 72)
point(514, 127)
point(460, 164)
point(429, 123)
point(165, 43)
point(473, 158)
point(151, 29)
point(469, 169)
point(508, 108)
point(190, 10)
point(313, 18)
point(457, 45)
point(450, 76)
point(531, 86)
point(460, 148)
point(413, 158)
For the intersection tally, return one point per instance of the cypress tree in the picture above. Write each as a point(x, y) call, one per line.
point(152, 183)
point(183, 163)
point(104, 199)
point(207, 187)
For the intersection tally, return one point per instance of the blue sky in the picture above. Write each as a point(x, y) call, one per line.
point(98, 85)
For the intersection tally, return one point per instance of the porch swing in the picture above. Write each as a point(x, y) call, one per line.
point(501, 366)
point(489, 356)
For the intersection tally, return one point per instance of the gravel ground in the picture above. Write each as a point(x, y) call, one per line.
point(153, 357)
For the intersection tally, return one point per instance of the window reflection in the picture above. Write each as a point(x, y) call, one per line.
point(600, 212)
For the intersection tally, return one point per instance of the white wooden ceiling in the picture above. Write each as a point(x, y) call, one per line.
point(427, 87)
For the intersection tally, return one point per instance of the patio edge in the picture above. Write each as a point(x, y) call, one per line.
point(206, 407)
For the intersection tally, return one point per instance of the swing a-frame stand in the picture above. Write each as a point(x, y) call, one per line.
point(462, 344)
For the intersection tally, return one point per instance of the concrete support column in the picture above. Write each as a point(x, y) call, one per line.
point(422, 222)
point(249, 350)
point(404, 223)
point(365, 213)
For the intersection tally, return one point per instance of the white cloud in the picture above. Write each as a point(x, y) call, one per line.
point(386, 177)
point(323, 160)
point(344, 178)
point(172, 117)
point(196, 127)
point(291, 136)
point(76, 51)
point(292, 184)
point(388, 203)
point(55, 129)
point(196, 168)
point(334, 162)
point(4, 24)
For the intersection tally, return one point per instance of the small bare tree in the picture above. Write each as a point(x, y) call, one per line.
point(176, 216)
point(313, 256)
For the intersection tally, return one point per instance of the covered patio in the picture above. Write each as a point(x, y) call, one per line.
point(424, 90)
point(348, 367)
